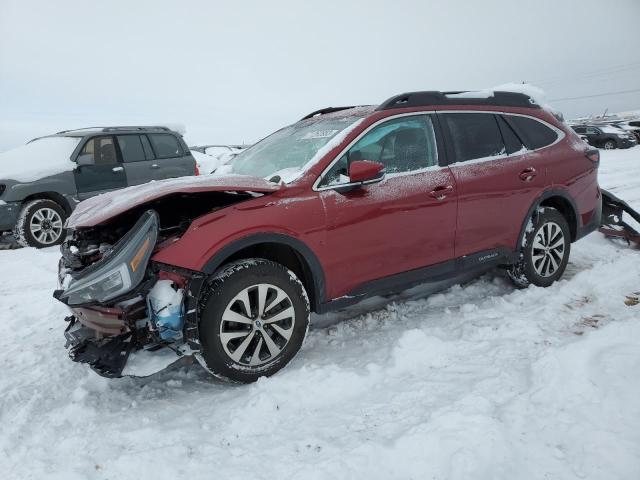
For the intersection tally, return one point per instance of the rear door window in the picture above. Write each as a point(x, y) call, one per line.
point(131, 148)
point(165, 145)
point(535, 134)
point(474, 136)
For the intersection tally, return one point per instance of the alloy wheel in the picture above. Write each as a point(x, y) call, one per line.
point(46, 226)
point(548, 249)
point(257, 325)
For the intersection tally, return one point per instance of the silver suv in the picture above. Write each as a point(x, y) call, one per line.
point(42, 181)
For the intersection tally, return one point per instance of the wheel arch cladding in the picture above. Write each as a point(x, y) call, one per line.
point(54, 197)
point(559, 200)
point(568, 210)
point(282, 249)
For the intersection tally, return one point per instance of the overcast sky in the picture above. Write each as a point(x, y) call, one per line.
point(234, 71)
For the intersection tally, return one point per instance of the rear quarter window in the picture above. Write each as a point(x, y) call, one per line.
point(534, 134)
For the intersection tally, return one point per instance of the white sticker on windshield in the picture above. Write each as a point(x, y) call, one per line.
point(319, 134)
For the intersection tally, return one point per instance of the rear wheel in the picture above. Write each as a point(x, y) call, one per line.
point(545, 250)
point(254, 318)
point(40, 224)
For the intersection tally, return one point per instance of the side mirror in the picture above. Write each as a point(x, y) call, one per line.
point(365, 171)
point(84, 160)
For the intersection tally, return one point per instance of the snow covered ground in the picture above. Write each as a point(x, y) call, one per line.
point(481, 381)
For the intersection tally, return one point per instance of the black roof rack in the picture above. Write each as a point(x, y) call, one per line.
point(324, 111)
point(423, 99)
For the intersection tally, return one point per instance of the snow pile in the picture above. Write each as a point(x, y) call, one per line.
point(214, 158)
point(535, 93)
point(206, 163)
point(176, 127)
point(480, 381)
point(38, 159)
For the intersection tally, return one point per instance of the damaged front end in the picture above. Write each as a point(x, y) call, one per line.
point(127, 309)
point(122, 304)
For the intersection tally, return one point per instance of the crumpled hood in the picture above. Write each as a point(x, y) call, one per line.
point(101, 208)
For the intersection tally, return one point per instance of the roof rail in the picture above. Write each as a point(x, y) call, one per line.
point(423, 99)
point(324, 111)
point(79, 129)
point(150, 127)
point(114, 129)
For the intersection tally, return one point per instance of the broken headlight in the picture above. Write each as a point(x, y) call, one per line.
point(121, 270)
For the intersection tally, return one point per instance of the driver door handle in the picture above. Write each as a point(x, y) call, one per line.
point(441, 192)
point(528, 174)
point(117, 169)
point(155, 165)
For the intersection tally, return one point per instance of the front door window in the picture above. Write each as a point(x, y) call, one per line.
point(99, 151)
point(99, 168)
point(403, 145)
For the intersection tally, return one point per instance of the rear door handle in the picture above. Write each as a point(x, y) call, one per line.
point(155, 165)
point(528, 174)
point(117, 169)
point(440, 193)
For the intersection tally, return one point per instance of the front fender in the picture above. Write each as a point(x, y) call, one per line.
point(62, 184)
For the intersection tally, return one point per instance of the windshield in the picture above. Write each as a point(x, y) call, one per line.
point(287, 153)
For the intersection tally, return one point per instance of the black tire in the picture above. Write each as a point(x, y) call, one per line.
point(609, 145)
point(217, 304)
point(543, 266)
point(46, 214)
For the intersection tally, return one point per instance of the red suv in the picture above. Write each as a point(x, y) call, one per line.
point(344, 204)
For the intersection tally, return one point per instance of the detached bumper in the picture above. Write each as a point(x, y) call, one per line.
point(9, 212)
point(106, 356)
point(119, 355)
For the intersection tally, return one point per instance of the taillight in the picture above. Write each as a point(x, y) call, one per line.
point(197, 170)
point(593, 155)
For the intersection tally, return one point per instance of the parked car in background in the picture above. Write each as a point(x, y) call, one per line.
point(42, 182)
point(629, 126)
point(211, 157)
point(345, 204)
point(606, 136)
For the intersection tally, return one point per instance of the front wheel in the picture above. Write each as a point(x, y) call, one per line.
point(40, 224)
point(545, 250)
point(609, 145)
point(254, 318)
